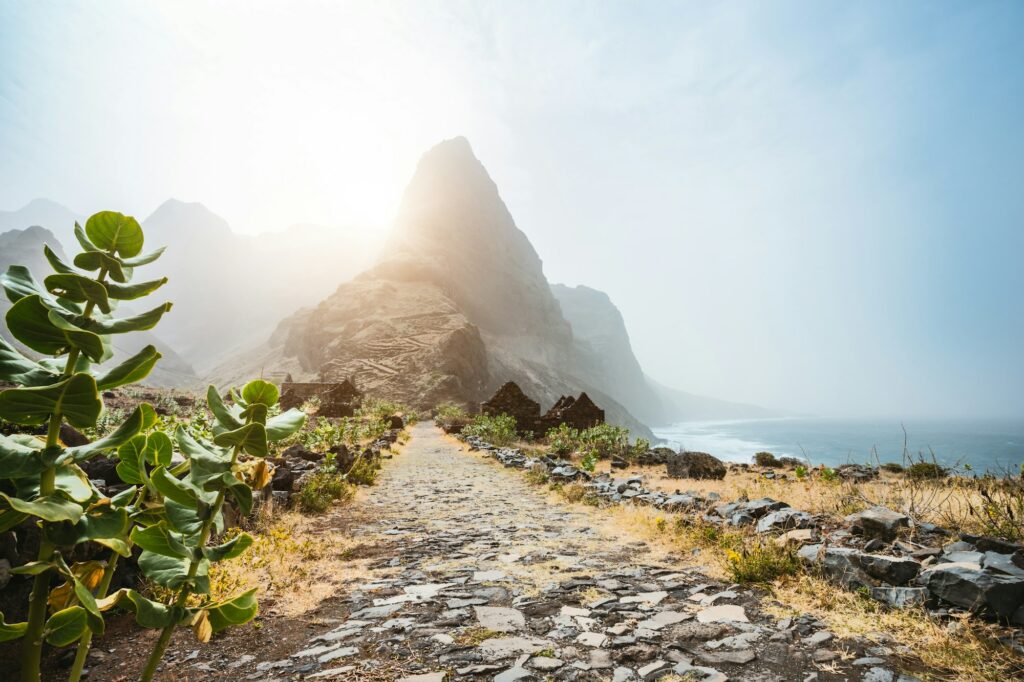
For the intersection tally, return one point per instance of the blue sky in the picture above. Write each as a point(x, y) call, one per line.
point(808, 205)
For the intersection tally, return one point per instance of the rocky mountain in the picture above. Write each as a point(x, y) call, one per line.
point(25, 247)
point(58, 219)
point(457, 305)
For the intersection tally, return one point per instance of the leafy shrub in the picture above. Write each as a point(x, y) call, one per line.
point(926, 470)
point(829, 475)
point(766, 459)
point(606, 440)
point(893, 467)
point(321, 490)
point(499, 430)
point(1000, 512)
point(801, 472)
point(364, 471)
point(589, 461)
point(761, 563)
point(538, 475)
point(451, 417)
point(563, 439)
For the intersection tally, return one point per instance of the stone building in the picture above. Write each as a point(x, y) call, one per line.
point(579, 413)
point(336, 399)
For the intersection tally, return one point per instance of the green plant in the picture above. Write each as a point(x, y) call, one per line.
point(563, 439)
point(829, 475)
point(69, 319)
point(176, 545)
point(801, 471)
point(925, 470)
point(589, 461)
point(762, 562)
point(451, 417)
point(497, 430)
point(322, 489)
point(606, 440)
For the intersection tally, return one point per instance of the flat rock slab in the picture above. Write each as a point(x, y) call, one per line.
point(723, 613)
point(500, 619)
point(499, 648)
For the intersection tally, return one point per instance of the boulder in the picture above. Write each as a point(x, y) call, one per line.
point(984, 543)
point(758, 508)
point(284, 479)
point(395, 422)
point(968, 586)
point(842, 566)
point(856, 472)
point(783, 519)
point(655, 456)
point(889, 569)
point(878, 522)
point(695, 465)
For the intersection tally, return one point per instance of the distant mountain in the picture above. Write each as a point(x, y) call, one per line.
point(230, 290)
point(58, 219)
point(25, 247)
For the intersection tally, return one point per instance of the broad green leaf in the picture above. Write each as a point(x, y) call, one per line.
point(83, 239)
point(10, 518)
point(17, 369)
point(18, 283)
point(92, 345)
point(136, 323)
point(251, 438)
point(230, 549)
point(141, 417)
point(78, 288)
point(256, 412)
point(112, 231)
point(235, 611)
point(150, 614)
point(130, 454)
point(49, 507)
point(260, 391)
point(29, 321)
point(9, 631)
point(173, 489)
point(134, 369)
point(205, 462)
point(18, 460)
point(144, 259)
point(183, 518)
point(92, 612)
point(229, 417)
point(68, 478)
point(99, 260)
point(241, 492)
point(159, 449)
point(104, 524)
point(159, 539)
point(76, 398)
point(56, 262)
point(284, 425)
point(172, 572)
point(130, 292)
point(67, 626)
point(124, 497)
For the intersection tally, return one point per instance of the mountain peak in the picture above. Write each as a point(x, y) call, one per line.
point(186, 216)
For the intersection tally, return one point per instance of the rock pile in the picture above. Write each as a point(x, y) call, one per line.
point(864, 551)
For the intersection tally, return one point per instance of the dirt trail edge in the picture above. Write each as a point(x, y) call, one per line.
point(476, 575)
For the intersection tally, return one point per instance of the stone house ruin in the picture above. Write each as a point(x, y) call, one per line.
point(579, 413)
point(336, 399)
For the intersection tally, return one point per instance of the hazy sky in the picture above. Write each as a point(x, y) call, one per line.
point(816, 206)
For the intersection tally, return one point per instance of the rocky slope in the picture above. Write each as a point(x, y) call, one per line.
point(458, 305)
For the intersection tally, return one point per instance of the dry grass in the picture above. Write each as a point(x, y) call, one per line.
point(965, 649)
point(292, 563)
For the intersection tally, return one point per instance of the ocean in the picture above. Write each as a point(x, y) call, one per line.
point(995, 446)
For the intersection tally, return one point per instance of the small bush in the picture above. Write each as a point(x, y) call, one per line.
point(364, 471)
point(538, 475)
point(321, 490)
point(761, 563)
point(766, 459)
point(801, 472)
point(499, 430)
point(893, 467)
point(925, 470)
point(589, 461)
point(829, 475)
point(606, 440)
point(563, 439)
point(451, 418)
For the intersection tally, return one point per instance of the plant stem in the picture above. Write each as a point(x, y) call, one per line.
point(186, 589)
point(33, 648)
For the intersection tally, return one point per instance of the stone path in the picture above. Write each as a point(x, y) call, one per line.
point(485, 578)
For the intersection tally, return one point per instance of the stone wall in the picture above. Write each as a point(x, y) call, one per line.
point(579, 413)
